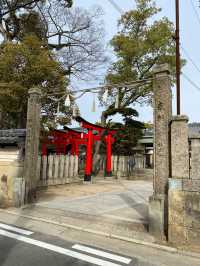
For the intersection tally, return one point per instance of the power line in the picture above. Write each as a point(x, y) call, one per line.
point(195, 11)
point(116, 6)
point(190, 58)
point(178, 59)
point(110, 86)
point(191, 81)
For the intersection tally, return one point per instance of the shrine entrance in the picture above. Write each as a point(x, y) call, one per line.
point(129, 204)
point(66, 143)
point(115, 204)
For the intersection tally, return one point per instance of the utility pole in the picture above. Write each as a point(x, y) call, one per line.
point(178, 58)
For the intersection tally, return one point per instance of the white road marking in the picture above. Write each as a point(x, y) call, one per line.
point(15, 229)
point(101, 253)
point(58, 249)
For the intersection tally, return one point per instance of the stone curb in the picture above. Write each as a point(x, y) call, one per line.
point(100, 233)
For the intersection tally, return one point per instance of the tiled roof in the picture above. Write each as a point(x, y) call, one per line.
point(194, 129)
point(148, 132)
point(12, 136)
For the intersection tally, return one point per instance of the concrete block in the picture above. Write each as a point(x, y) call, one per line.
point(158, 216)
point(176, 205)
point(192, 185)
point(184, 217)
point(192, 210)
point(5, 191)
point(177, 234)
point(193, 237)
point(8, 172)
point(18, 192)
point(175, 184)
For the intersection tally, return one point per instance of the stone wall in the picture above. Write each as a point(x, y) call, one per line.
point(184, 185)
point(184, 211)
point(195, 157)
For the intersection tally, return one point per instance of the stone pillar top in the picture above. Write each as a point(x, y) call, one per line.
point(162, 68)
point(180, 118)
point(35, 90)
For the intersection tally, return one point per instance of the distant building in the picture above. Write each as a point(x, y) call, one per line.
point(145, 144)
point(12, 143)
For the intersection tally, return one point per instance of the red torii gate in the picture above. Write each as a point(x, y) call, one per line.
point(91, 137)
point(61, 138)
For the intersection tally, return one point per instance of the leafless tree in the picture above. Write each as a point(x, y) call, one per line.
point(75, 34)
point(10, 11)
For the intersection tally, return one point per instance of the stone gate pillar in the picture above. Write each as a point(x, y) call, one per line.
point(162, 116)
point(32, 143)
point(179, 147)
point(178, 193)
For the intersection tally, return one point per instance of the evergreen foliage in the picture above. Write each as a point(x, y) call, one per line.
point(22, 66)
point(143, 41)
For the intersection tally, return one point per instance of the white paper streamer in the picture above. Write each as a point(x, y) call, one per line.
point(105, 95)
point(67, 101)
point(94, 105)
point(117, 100)
point(58, 109)
point(76, 111)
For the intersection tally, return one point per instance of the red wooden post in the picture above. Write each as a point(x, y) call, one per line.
point(108, 139)
point(76, 149)
point(44, 149)
point(72, 147)
point(88, 165)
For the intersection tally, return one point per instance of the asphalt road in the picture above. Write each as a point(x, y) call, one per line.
point(20, 247)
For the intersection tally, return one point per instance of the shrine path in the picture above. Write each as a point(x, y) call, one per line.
point(118, 207)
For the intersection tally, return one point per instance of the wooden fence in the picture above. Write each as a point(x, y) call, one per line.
point(57, 170)
point(125, 165)
point(64, 169)
point(131, 167)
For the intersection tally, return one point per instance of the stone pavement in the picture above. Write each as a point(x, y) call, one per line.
point(118, 207)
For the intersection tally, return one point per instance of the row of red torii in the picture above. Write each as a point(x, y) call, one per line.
point(60, 139)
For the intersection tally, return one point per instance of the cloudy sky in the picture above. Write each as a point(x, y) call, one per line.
point(190, 41)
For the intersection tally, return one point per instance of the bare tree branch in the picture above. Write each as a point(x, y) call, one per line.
point(76, 35)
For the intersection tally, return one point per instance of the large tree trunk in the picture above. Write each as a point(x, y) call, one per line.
point(22, 120)
point(1, 118)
